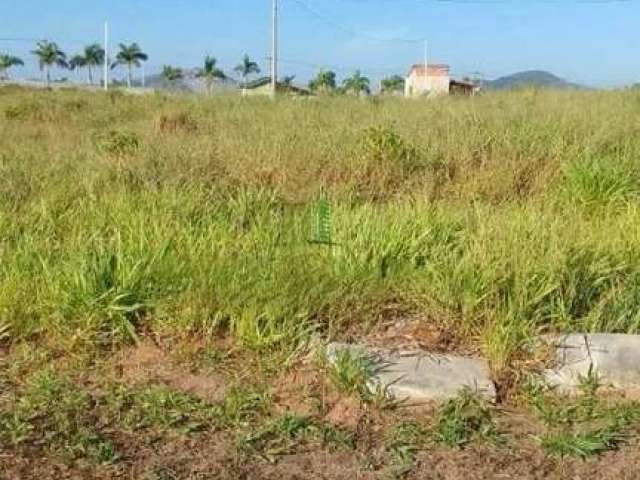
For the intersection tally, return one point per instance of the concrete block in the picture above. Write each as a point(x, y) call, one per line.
point(419, 377)
point(615, 358)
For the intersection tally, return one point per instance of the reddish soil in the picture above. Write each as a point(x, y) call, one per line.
point(147, 363)
point(154, 455)
point(419, 333)
point(213, 458)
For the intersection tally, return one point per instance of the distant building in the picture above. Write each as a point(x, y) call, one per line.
point(435, 80)
point(262, 86)
point(427, 80)
point(463, 87)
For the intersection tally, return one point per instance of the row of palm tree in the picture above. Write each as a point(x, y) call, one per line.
point(210, 72)
point(326, 82)
point(131, 56)
point(50, 55)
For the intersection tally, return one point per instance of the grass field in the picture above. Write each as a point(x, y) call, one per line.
point(232, 234)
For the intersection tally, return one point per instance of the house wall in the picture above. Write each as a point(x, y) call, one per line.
point(417, 85)
point(258, 91)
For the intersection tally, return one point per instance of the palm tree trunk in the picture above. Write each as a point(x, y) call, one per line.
point(129, 77)
point(90, 75)
point(48, 76)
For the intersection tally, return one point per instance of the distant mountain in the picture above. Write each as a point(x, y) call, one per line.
point(531, 78)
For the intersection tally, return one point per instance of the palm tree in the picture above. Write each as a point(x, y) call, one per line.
point(6, 62)
point(325, 81)
point(49, 55)
point(130, 56)
point(246, 68)
point(393, 84)
point(288, 80)
point(172, 74)
point(210, 72)
point(93, 57)
point(356, 84)
point(76, 62)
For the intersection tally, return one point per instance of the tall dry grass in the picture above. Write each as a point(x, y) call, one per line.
point(500, 216)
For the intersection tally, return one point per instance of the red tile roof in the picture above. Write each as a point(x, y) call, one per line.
point(433, 70)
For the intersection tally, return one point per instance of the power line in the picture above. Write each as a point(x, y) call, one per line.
point(350, 31)
point(19, 39)
point(514, 2)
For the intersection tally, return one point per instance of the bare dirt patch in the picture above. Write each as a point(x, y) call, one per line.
point(523, 462)
point(146, 363)
point(346, 412)
point(299, 391)
point(419, 333)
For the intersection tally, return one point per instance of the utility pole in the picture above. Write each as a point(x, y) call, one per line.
point(425, 54)
point(426, 65)
point(274, 48)
point(106, 56)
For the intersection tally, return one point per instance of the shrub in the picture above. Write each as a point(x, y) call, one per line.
point(592, 182)
point(28, 110)
point(116, 142)
point(464, 418)
point(176, 122)
point(386, 148)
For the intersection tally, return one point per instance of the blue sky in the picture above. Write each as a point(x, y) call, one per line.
point(594, 43)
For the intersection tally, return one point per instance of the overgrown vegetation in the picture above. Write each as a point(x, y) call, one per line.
point(509, 215)
point(464, 418)
point(582, 427)
point(272, 224)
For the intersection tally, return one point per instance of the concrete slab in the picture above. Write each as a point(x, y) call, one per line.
point(419, 377)
point(615, 357)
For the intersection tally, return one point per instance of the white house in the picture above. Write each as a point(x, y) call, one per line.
point(427, 80)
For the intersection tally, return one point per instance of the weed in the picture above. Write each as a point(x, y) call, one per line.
point(502, 242)
point(241, 405)
point(160, 407)
point(403, 444)
point(596, 182)
point(464, 418)
point(115, 142)
point(175, 122)
point(582, 445)
point(75, 105)
point(54, 412)
point(15, 427)
point(583, 426)
point(351, 372)
point(112, 289)
point(383, 145)
point(24, 111)
point(278, 436)
point(337, 438)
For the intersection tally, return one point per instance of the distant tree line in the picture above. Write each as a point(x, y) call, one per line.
point(131, 57)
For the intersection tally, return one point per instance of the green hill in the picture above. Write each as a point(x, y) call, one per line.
point(531, 78)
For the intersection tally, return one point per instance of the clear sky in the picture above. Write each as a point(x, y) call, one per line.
point(595, 42)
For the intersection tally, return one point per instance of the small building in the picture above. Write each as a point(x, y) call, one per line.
point(432, 79)
point(462, 87)
point(262, 87)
